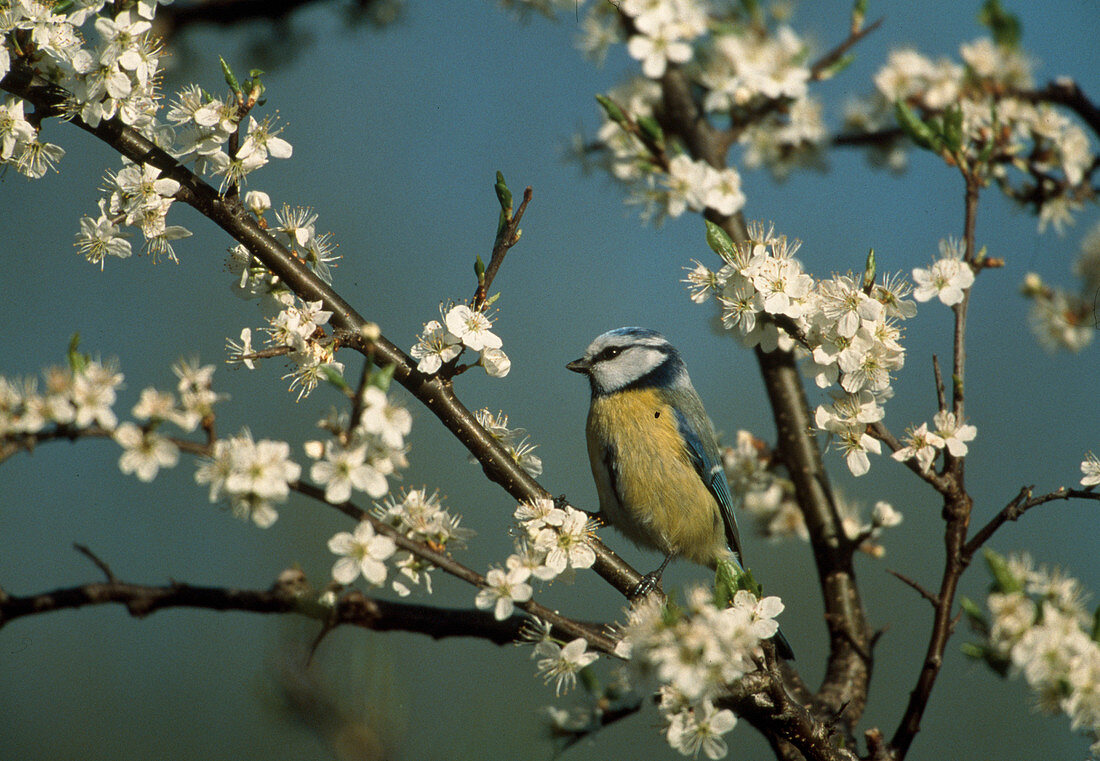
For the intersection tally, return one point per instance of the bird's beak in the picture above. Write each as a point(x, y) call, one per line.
point(581, 366)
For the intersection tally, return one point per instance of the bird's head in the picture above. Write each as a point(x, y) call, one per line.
point(630, 358)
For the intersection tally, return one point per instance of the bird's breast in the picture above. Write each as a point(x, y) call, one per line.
point(647, 483)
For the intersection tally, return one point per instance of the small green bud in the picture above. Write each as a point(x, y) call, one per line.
point(869, 272)
point(504, 195)
point(334, 377)
point(382, 377)
point(652, 131)
point(611, 108)
point(230, 80)
point(919, 132)
point(719, 241)
point(77, 361)
point(1003, 580)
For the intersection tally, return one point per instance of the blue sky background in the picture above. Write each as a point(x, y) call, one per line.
point(397, 134)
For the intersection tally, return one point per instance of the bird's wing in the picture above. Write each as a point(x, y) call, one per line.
point(708, 465)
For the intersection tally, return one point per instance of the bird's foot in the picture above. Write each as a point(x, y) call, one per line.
point(650, 582)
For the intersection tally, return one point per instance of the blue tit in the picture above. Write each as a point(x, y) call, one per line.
point(654, 454)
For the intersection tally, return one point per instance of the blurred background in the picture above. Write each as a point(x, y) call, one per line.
point(398, 130)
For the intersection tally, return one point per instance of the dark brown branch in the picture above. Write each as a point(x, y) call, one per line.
point(848, 671)
point(289, 595)
point(882, 137)
point(1066, 92)
point(957, 505)
point(793, 730)
point(229, 214)
point(172, 18)
point(100, 564)
point(1020, 504)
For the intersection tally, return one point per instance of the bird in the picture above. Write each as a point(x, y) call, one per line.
point(654, 454)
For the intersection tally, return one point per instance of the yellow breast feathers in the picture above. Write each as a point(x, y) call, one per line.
point(647, 483)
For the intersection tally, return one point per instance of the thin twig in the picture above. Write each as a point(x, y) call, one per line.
point(834, 55)
point(1020, 504)
point(919, 589)
point(100, 564)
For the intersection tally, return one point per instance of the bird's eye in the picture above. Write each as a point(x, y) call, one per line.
point(609, 353)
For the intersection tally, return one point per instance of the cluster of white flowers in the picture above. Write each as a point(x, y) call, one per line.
point(114, 73)
point(663, 31)
point(923, 445)
point(738, 64)
point(254, 475)
point(203, 126)
point(697, 186)
point(551, 541)
point(1051, 152)
point(749, 63)
point(295, 228)
point(1068, 319)
point(139, 197)
point(693, 654)
point(361, 455)
point(77, 398)
point(849, 327)
point(145, 449)
point(461, 328)
point(1040, 628)
point(514, 440)
point(1090, 466)
point(770, 500)
point(296, 330)
point(421, 517)
point(948, 278)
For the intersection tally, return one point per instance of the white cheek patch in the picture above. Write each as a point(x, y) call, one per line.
point(627, 367)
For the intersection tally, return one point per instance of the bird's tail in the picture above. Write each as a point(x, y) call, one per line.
point(782, 646)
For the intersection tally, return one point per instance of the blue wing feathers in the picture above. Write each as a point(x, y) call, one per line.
point(709, 467)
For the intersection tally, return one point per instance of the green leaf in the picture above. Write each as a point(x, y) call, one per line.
point(652, 131)
point(230, 80)
point(729, 579)
point(720, 241)
point(504, 195)
point(333, 376)
point(1003, 580)
point(77, 361)
point(973, 650)
point(837, 66)
point(479, 269)
point(590, 681)
point(974, 615)
point(1004, 26)
point(382, 377)
point(859, 12)
point(611, 108)
point(952, 127)
point(1096, 626)
point(923, 134)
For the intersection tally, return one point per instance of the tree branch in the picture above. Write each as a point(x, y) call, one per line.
point(290, 594)
point(229, 214)
point(1022, 502)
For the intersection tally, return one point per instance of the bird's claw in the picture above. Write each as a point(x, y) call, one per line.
point(650, 582)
